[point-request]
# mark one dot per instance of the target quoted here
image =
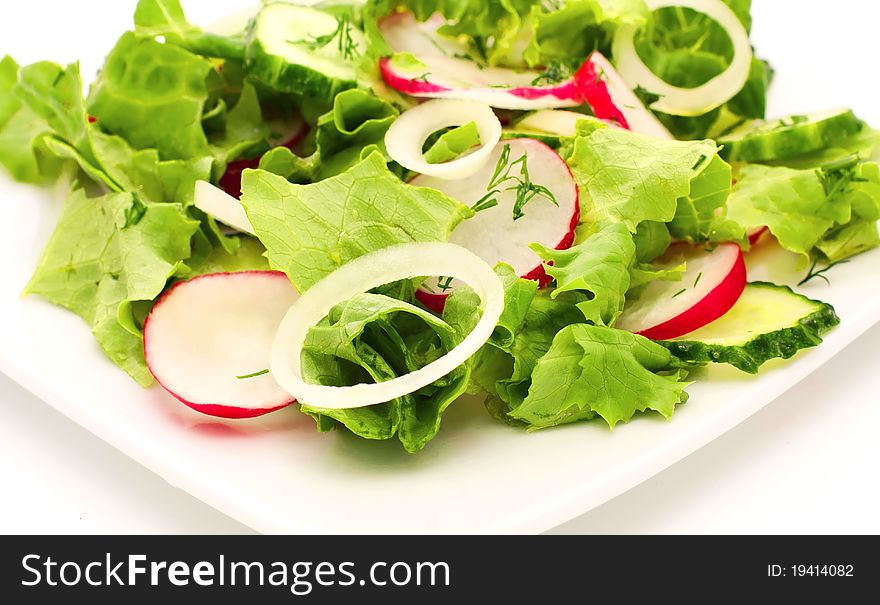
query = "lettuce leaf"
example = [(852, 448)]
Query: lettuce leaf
[(154, 96), (166, 18), (248, 254), (244, 132), (452, 144), (310, 230), (504, 367), (801, 206), (22, 130), (377, 338), (631, 178), (594, 371), (107, 254), (599, 267), (701, 216), (687, 49), (357, 121)]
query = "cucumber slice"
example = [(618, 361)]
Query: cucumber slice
[(767, 322), (303, 50), (764, 141)]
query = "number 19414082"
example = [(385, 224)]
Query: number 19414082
[(811, 570)]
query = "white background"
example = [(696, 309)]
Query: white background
[(806, 463)]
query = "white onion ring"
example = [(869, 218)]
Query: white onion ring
[(407, 136), (688, 101), (372, 270), (218, 204)]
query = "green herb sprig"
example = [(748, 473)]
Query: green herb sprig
[(342, 34), (821, 273), (526, 190)]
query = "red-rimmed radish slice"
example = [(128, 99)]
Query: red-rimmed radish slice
[(712, 283), (612, 99), (405, 34), (395, 263), (406, 138), (687, 101), (218, 204), (493, 234), (442, 77), (204, 335), (756, 233)]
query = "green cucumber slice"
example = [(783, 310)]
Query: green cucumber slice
[(304, 50), (765, 141), (768, 322)]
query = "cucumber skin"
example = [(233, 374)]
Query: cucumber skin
[(790, 142), (552, 141), (749, 357), (277, 73)]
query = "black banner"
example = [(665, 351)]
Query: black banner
[(435, 569)]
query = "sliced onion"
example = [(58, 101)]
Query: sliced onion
[(218, 204), (688, 101), (372, 270), (406, 137)]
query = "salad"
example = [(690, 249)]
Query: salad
[(371, 209)]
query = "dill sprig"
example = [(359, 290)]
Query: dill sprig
[(254, 375), (821, 273), (554, 73), (345, 44), (526, 190)]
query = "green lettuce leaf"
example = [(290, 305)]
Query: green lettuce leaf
[(801, 206), (599, 267), (630, 178), (107, 254), (244, 133), (652, 238), (594, 371), (311, 230), (358, 120), (452, 144), (248, 254), (853, 238), (503, 368), (166, 18), (566, 33), (122, 168), (283, 162), (21, 132), (377, 338), (701, 216), (154, 96), (55, 94), (687, 49)]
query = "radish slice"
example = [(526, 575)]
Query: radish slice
[(611, 99), (711, 285), (687, 101), (407, 135), (215, 202), (493, 234), (205, 333), (404, 261), (755, 234), (441, 77), (406, 34)]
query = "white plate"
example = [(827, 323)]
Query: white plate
[(278, 475)]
